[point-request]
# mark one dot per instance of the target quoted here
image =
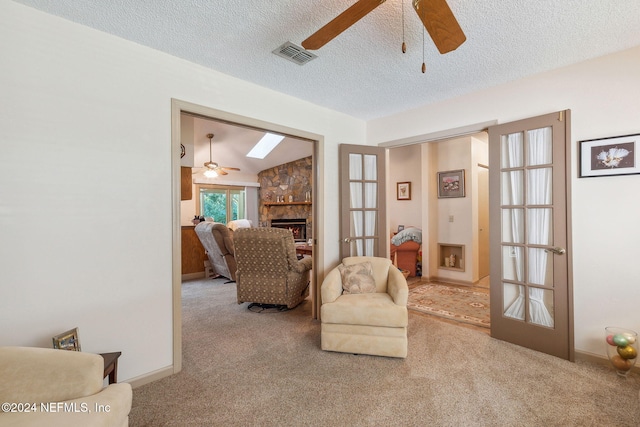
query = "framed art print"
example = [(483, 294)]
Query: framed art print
[(609, 156), (451, 184), (403, 191)]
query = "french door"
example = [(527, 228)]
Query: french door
[(530, 284), (362, 201)]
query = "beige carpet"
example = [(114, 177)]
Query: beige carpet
[(267, 369), (468, 305)]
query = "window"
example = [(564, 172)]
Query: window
[(222, 203)]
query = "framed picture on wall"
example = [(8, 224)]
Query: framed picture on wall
[(451, 184), (609, 156), (403, 191)]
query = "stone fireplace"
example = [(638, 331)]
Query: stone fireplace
[(298, 227), (285, 198)]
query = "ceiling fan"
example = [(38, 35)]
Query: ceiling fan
[(435, 15), (211, 168)]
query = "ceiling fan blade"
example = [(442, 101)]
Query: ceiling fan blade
[(230, 169), (340, 23), (221, 172), (440, 23)]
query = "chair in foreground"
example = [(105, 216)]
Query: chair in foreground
[(66, 388), (217, 240), (268, 270), (364, 308)]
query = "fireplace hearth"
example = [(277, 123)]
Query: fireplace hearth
[(298, 227)]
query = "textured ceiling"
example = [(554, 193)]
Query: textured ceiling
[(363, 72)]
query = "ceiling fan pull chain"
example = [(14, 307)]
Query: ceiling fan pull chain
[(424, 66), (404, 45)]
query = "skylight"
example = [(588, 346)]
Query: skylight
[(268, 142)]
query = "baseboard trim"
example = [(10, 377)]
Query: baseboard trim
[(151, 377), (192, 276), (599, 360), (451, 281)]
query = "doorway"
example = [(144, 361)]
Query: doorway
[(450, 222), (450, 226), (178, 108)]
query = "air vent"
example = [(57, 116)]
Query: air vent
[(294, 53)]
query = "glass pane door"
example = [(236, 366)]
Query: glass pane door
[(364, 204), (530, 282), (362, 200), (526, 174)]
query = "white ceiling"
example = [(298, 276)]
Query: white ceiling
[(363, 72), (231, 143)]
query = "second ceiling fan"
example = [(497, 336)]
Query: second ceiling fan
[(212, 169), (434, 14)]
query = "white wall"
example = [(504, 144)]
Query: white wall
[(405, 166), (603, 97), (453, 155), (85, 182)]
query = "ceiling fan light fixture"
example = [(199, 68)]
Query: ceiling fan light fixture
[(211, 173)]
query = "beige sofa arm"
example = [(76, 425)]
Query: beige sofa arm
[(109, 408), (61, 387), (331, 286), (31, 374), (397, 286)]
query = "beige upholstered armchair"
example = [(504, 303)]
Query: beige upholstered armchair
[(364, 308), (66, 388), (217, 240), (268, 270)]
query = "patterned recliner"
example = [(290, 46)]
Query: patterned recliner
[(268, 270), (218, 242)]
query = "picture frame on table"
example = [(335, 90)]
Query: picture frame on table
[(451, 184), (68, 340), (611, 156), (403, 191)]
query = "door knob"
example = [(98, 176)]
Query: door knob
[(346, 240), (557, 251)]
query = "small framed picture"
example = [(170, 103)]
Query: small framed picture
[(400, 228), (404, 191), (451, 184), (67, 340), (609, 156)]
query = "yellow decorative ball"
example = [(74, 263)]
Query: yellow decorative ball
[(627, 352)]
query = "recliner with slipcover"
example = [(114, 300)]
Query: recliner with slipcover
[(217, 240), (268, 270), (370, 320)]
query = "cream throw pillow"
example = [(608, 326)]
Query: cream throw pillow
[(357, 278)]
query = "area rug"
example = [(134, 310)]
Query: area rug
[(452, 303)]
